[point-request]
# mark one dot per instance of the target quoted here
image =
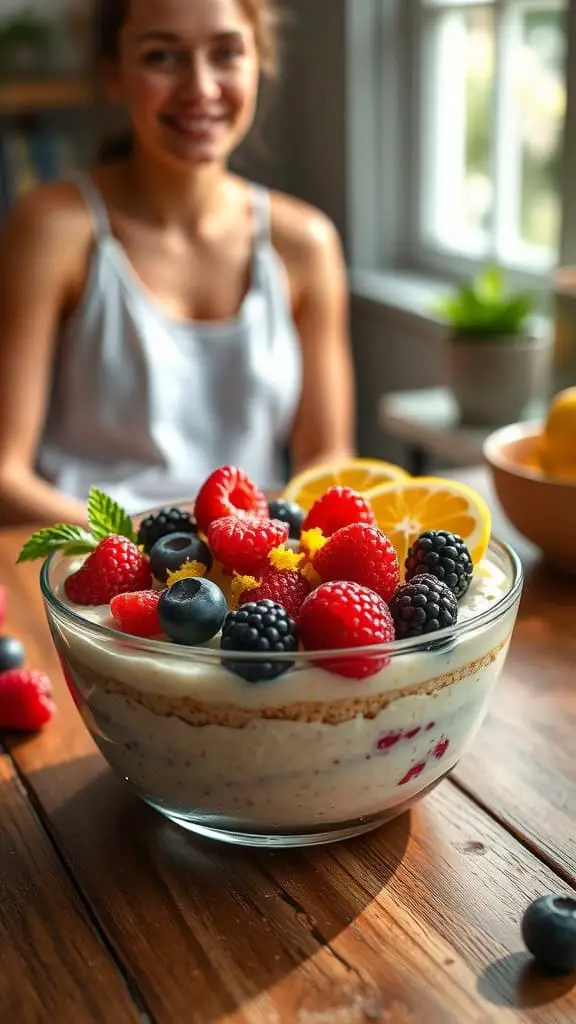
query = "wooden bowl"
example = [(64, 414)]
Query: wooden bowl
[(541, 507)]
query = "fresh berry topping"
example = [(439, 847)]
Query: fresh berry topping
[(424, 605), (25, 700), (137, 613), (444, 555), (115, 567), (243, 545), (338, 507), (362, 554), (192, 611), (169, 520), (288, 588), (549, 932), (260, 626), (228, 492), (11, 653), (343, 615), (288, 512), (171, 552)]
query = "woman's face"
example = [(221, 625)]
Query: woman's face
[(188, 71)]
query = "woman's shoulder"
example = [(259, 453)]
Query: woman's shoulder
[(51, 213), (299, 228)]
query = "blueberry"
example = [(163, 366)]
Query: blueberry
[(170, 552), (549, 931), (288, 512), (192, 611), (11, 653)]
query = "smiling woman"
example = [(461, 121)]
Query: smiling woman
[(162, 316)]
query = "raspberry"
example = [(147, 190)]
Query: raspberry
[(25, 699), (260, 626), (243, 545), (228, 492), (342, 614), (338, 507), (137, 612), (288, 588), (444, 555), (424, 605), (362, 554), (168, 520), (115, 567)]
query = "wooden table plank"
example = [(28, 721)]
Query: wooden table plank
[(53, 966), (417, 922), (422, 916), (523, 765)]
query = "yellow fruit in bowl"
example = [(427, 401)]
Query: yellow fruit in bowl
[(558, 443)]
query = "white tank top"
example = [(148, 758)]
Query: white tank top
[(145, 406)]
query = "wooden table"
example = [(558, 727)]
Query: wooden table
[(109, 914)]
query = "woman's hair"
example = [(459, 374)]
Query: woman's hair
[(110, 18)]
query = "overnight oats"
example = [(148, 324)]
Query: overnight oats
[(284, 673)]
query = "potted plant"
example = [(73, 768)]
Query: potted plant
[(497, 363), (24, 40)]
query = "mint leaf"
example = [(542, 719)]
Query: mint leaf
[(55, 538), (106, 516)]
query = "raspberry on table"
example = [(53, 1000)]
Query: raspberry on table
[(263, 627), (424, 605), (243, 545), (361, 554), (26, 702), (228, 491), (342, 614), (338, 507), (115, 567), (444, 555), (160, 524), (137, 612)]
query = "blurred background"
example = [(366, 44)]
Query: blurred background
[(440, 136)]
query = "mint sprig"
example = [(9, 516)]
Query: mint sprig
[(105, 517), (61, 537)]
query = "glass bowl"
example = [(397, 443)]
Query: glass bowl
[(308, 757)]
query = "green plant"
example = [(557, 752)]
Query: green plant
[(486, 308), (21, 29)]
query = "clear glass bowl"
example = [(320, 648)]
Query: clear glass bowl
[(306, 758)]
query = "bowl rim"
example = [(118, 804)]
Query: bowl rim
[(524, 430), (394, 647)]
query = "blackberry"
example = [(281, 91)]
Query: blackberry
[(443, 555), (424, 605), (288, 512), (259, 626), (169, 520)]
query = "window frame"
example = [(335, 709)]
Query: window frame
[(384, 112)]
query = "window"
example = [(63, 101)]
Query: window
[(456, 118), (491, 123)]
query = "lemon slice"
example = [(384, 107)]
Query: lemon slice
[(404, 509), (359, 474)]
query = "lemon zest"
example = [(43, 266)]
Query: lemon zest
[(283, 559), (309, 573), (240, 584), (312, 541), (187, 571)]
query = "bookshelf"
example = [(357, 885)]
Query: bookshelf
[(33, 96)]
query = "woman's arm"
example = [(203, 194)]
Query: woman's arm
[(324, 426), (38, 261)]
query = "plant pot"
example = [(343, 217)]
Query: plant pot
[(497, 380)]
